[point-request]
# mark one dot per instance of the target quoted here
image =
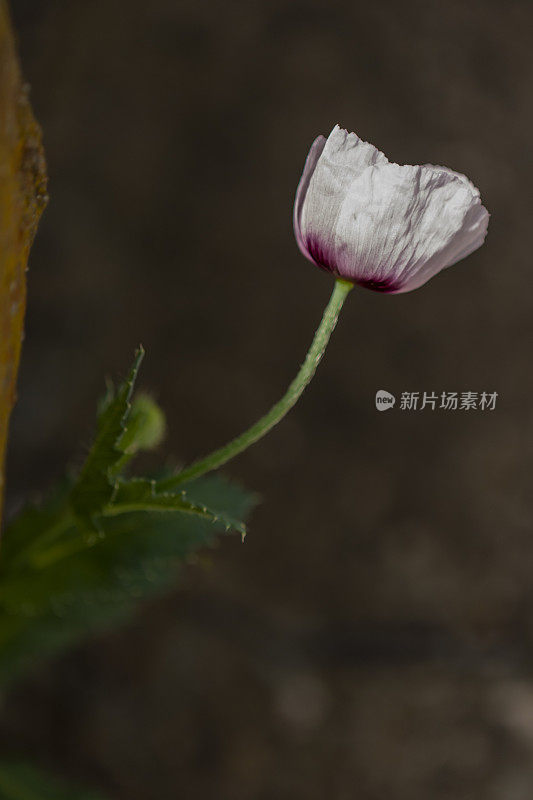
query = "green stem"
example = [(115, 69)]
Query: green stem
[(46, 539), (278, 411)]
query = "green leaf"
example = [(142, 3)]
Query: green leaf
[(101, 543), (91, 581), (95, 485), (139, 494), (19, 781), (227, 497)]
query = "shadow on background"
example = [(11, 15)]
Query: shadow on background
[(373, 638)]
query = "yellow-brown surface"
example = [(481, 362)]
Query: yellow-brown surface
[(22, 199)]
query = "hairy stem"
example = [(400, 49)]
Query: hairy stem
[(278, 411)]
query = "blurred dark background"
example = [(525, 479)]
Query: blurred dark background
[(373, 638)]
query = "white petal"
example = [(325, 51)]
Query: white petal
[(400, 225), (343, 159), (309, 167)]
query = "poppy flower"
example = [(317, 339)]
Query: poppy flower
[(380, 225)]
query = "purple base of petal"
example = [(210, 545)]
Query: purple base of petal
[(320, 254), (387, 286), (323, 259)]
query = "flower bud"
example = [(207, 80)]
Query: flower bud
[(146, 425)]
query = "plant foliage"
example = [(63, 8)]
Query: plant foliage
[(103, 540)]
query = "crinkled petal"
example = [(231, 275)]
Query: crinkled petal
[(343, 159), (400, 225)]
